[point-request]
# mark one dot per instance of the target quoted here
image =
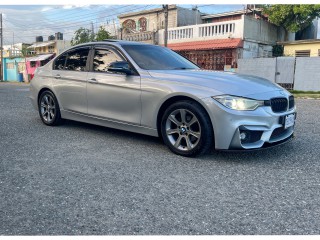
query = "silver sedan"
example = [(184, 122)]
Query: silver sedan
[(152, 90)]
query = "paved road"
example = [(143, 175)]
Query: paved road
[(83, 179)]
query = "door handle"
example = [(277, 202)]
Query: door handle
[(92, 80), (57, 76)]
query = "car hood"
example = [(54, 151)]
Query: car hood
[(222, 82)]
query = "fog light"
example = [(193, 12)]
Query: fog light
[(248, 136), (243, 135)]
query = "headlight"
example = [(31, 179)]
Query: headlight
[(238, 103)]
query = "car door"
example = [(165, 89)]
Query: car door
[(112, 95), (70, 73)]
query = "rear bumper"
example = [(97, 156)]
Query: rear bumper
[(262, 127)]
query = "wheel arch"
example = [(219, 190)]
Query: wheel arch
[(46, 88), (175, 99)]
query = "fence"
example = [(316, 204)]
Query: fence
[(300, 73)]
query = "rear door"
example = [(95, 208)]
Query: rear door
[(70, 79), (114, 96)]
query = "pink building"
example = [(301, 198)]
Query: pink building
[(33, 62)]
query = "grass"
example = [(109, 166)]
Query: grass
[(305, 94)]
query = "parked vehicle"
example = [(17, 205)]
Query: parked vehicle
[(152, 90)]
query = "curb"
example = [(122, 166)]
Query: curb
[(307, 98)]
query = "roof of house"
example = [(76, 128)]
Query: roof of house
[(41, 44), (307, 41), (231, 13), (125, 15), (207, 45), (39, 58)]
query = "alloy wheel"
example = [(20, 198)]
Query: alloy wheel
[(47, 108), (183, 129)]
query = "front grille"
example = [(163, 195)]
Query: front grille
[(291, 102), (279, 104)]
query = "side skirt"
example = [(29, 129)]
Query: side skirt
[(108, 123)]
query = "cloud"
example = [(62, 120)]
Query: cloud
[(75, 6), (45, 9)]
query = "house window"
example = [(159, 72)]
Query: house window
[(51, 49), (302, 53), (143, 24), (10, 65), (129, 25), (33, 64)]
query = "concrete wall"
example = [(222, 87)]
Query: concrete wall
[(307, 74), (254, 50), (61, 45), (262, 31), (188, 17), (260, 67), (302, 72)]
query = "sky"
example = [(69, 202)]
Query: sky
[(22, 23)]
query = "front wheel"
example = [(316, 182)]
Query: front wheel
[(186, 129), (49, 110)]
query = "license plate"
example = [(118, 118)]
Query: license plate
[(289, 120)]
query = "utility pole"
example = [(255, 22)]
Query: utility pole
[(195, 9), (1, 32), (92, 31), (165, 10)]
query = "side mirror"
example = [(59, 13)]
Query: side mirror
[(120, 67)]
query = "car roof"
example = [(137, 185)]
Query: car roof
[(112, 42)]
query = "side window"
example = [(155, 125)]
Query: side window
[(59, 62), (103, 59), (77, 60)]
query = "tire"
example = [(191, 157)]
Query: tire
[(186, 129), (49, 109)]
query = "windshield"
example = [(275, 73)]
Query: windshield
[(151, 57)]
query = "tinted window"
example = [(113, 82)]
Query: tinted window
[(103, 59), (59, 62), (157, 58), (77, 60)]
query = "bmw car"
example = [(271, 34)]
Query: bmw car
[(152, 90)]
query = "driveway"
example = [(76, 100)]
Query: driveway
[(79, 179)]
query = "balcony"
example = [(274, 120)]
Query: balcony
[(140, 36), (209, 31)]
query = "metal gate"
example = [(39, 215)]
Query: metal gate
[(285, 71), (212, 59)]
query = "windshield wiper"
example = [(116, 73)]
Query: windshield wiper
[(181, 68)]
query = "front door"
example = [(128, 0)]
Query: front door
[(110, 95)]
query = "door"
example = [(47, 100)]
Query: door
[(112, 95), (70, 80), (285, 71)]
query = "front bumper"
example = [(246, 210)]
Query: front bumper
[(262, 127)]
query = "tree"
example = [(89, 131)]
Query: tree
[(82, 35), (292, 17), (102, 34)]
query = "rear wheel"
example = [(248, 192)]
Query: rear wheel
[(49, 110), (186, 129)]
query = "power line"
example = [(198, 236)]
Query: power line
[(71, 24), (80, 23)]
